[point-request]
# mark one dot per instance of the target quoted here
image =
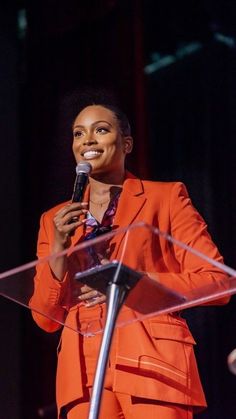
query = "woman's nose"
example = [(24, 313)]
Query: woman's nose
[(90, 139)]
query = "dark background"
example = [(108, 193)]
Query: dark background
[(174, 66)]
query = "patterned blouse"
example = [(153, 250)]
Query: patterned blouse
[(94, 229)]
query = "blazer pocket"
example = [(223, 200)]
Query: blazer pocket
[(174, 347)]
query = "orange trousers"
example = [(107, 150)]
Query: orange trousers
[(123, 406)]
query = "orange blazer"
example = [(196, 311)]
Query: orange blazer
[(153, 358)]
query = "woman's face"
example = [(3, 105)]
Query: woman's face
[(97, 139)]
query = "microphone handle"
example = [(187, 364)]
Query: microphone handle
[(79, 187), (78, 193)]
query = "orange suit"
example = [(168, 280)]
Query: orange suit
[(154, 358)]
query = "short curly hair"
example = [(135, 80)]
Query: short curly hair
[(75, 101)]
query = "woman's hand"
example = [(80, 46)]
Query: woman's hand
[(90, 296), (66, 220)]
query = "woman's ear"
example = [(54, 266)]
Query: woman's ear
[(128, 144)]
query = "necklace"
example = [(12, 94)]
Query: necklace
[(100, 203)]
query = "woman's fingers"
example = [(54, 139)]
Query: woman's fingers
[(97, 300), (64, 228), (88, 295), (91, 296), (67, 213), (67, 219), (71, 207)]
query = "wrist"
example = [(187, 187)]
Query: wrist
[(60, 246)]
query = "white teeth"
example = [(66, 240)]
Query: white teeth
[(91, 154)]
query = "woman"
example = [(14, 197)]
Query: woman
[(152, 370)]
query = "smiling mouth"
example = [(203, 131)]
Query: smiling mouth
[(90, 154)]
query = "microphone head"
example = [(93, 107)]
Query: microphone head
[(83, 167)]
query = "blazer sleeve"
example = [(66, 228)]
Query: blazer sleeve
[(188, 227), (49, 295)]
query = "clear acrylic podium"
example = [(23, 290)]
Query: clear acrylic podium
[(118, 265)]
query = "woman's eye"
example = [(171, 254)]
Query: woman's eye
[(102, 130), (78, 134)]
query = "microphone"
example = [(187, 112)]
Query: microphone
[(231, 360), (83, 170)]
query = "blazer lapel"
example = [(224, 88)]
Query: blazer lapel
[(132, 200), (130, 203)]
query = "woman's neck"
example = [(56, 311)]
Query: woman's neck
[(100, 189), (100, 196)]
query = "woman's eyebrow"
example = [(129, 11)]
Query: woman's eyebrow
[(94, 123)]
